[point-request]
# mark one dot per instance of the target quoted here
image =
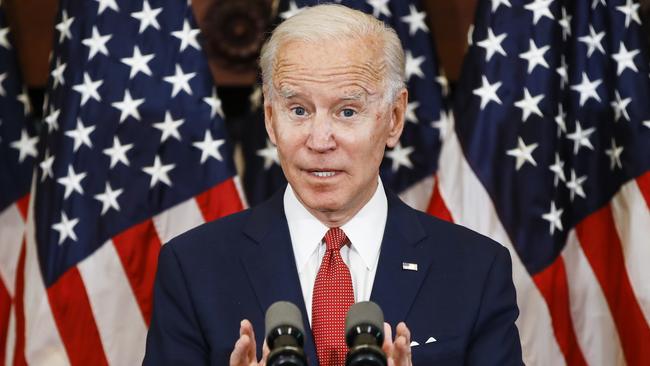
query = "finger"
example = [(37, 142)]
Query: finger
[(239, 355), (387, 347), (246, 328), (402, 352), (402, 349), (403, 330)]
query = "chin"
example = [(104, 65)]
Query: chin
[(321, 200)]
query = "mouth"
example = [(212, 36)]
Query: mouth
[(323, 173)]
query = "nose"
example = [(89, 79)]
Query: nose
[(321, 135)]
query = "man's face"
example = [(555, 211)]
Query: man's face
[(330, 121)]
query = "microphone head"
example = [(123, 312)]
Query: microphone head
[(364, 335), (284, 335), (283, 314), (365, 313)]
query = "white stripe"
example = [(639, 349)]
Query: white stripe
[(121, 326), (11, 337), (43, 345), (12, 228), (240, 191), (632, 221), (471, 206), (419, 195), (177, 220), (592, 320)]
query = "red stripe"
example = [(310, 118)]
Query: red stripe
[(138, 249), (220, 200), (75, 321), (437, 206), (19, 309), (23, 206), (138, 246), (553, 284), (644, 186), (602, 247), (5, 311)]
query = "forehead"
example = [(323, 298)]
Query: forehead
[(350, 64)]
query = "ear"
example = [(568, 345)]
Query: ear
[(268, 114), (397, 117)]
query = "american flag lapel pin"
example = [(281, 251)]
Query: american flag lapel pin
[(409, 266)]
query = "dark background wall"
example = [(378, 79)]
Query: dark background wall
[(32, 24)]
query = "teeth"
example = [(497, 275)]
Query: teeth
[(323, 174)]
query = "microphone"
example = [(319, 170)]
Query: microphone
[(285, 335), (364, 334)]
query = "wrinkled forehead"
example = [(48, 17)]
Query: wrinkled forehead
[(355, 66)]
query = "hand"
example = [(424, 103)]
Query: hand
[(398, 353), (245, 350)]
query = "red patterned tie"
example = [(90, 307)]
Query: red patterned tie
[(333, 296)]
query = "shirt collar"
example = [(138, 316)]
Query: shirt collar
[(365, 230)]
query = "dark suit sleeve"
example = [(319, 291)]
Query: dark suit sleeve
[(495, 338), (174, 336)]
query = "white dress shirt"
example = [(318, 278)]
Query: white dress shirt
[(365, 232)]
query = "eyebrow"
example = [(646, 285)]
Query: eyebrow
[(286, 92), (358, 95)]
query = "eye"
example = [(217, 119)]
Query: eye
[(348, 112), (299, 111)]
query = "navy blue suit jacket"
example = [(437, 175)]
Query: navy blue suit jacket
[(212, 277)]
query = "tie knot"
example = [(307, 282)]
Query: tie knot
[(335, 238)]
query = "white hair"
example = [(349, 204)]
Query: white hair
[(337, 22)]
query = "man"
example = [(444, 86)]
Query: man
[(334, 100)]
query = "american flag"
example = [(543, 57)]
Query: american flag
[(18, 152), (409, 167), (133, 151), (550, 156)]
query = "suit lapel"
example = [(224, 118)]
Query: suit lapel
[(271, 268), (270, 264), (395, 288)]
